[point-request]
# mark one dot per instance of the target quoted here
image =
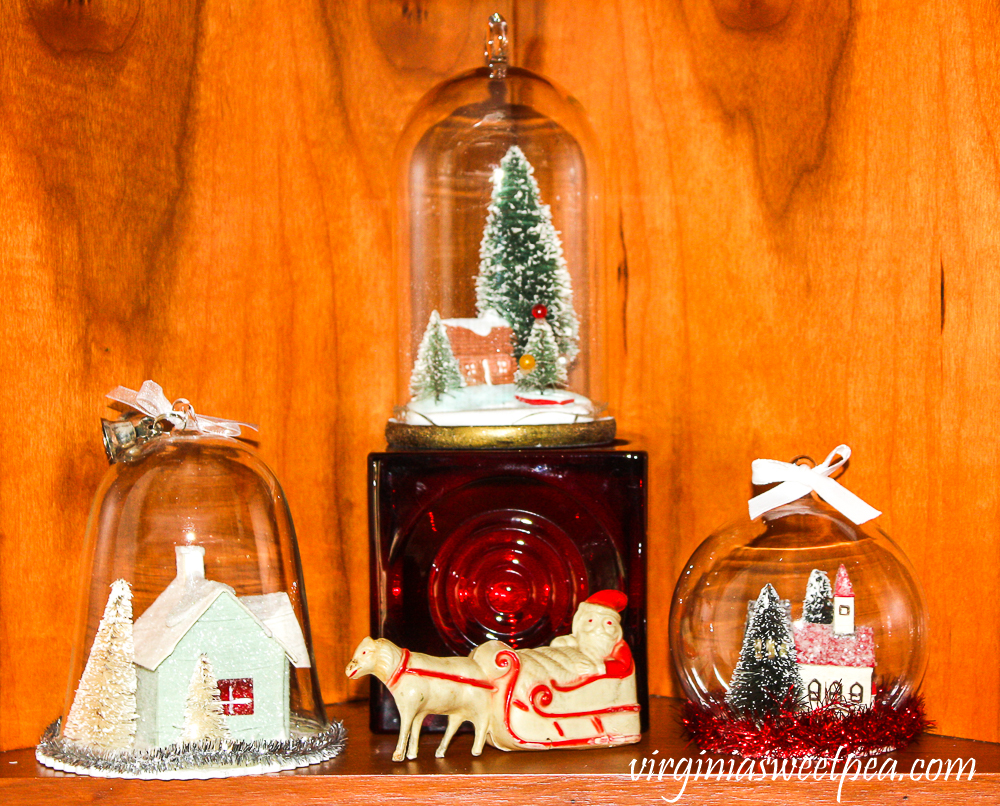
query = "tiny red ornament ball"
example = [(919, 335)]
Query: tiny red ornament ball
[(539, 312)]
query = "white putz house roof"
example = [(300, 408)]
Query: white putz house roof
[(186, 599)]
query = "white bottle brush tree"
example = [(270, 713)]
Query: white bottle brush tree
[(817, 607), (549, 372), (203, 715), (436, 371), (766, 680), (521, 261), (103, 713)]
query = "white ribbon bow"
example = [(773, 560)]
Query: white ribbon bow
[(799, 480), (151, 401)]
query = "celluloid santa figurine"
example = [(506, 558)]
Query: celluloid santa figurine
[(578, 692), (597, 633)]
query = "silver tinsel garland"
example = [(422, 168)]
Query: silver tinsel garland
[(202, 759)]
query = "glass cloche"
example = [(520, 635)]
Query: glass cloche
[(498, 246), (803, 621), (193, 656)]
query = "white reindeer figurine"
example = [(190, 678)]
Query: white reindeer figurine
[(422, 685)]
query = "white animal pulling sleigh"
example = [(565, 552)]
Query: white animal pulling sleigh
[(578, 692)]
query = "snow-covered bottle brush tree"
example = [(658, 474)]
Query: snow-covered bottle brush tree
[(521, 259), (103, 713)]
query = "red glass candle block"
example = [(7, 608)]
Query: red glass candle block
[(469, 546)]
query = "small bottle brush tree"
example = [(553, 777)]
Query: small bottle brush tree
[(203, 715), (548, 372), (103, 713), (521, 261), (436, 371), (766, 679), (817, 607)]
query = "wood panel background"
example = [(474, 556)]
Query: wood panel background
[(802, 251)]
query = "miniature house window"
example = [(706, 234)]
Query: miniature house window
[(835, 693), (815, 691), (237, 696), (857, 692), (844, 610)]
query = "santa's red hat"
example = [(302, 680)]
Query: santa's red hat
[(615, 600)]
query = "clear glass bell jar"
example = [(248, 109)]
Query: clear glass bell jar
[(498, 245), (192, 584)]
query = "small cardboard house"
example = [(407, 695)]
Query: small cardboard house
[(250, 641), (837, 660), (483, 348)]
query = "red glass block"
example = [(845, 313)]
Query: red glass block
[(468, 546)]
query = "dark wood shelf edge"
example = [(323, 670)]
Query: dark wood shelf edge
[(365, 773)]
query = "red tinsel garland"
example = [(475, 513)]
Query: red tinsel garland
[(820, 733)]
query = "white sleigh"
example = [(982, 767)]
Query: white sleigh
[(578, 692), (541, 701)]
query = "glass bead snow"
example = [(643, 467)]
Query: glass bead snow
[(498, 243), (193, 656), (799, 620)]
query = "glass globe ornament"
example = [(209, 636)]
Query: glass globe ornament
[(193, 655), (848, 625), (498, 242)]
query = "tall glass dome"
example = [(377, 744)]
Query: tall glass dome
[(193, 630), (498, 247)]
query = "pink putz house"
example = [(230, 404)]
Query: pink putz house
[(837, 660)]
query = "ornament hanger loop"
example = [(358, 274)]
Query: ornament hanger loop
[(496, 48), (798, 480), (151, 401)]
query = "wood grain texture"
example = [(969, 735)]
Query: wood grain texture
[(805, 252), (801, 252)]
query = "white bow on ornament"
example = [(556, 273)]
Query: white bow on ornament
[(799, 480), (151, 401)]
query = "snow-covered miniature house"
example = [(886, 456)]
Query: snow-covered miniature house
[(483, 348), (825, 658), (249, 640), (836, 659)]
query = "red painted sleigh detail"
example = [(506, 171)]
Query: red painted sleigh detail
[(543, 401), (541, 697), (542, 694), (618, 665), (394, 677), (404, 668)]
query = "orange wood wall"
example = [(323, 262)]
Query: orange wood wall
[(802, 218)]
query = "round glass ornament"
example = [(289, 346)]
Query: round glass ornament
[(784, 548), (498, 239), (199, 529)]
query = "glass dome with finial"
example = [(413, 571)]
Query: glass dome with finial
[(498, 246), (193, 656), (797, 631)]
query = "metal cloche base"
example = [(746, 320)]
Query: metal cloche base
[(595, 432)]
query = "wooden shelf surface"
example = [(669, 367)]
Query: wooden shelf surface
[(366, 774)]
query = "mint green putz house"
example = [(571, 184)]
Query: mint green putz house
[(251, 642)]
